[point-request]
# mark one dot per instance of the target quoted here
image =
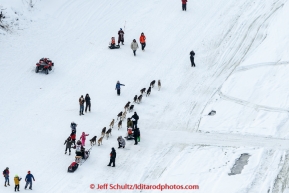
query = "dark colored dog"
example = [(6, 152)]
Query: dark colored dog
[(131, 108), (119, 115), (119, 124), (143, 90), (126, 106), (152, 83), (135, 99), (149, 91), (139, 98), (93, 141), (108, 133), (103, 131)]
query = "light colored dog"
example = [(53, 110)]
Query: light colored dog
[(111, 124), (100, 141), (159, 84), (123, 115)]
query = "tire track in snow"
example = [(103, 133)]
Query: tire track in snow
[(252, 105), (221, 139)]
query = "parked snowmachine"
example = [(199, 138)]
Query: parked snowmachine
[(112, 44), (129, 134), (44, 65), (73, 166)]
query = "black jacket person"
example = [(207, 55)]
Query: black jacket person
[(112, 157), (134, 119)]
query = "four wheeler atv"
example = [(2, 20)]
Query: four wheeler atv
[(44, 65)]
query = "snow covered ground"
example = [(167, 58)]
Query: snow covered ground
[(241, 72)]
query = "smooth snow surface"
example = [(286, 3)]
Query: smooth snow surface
[(242, 59)]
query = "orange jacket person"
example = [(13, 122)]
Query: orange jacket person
[(142, 40)]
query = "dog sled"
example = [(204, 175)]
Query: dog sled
[(80, 159), (129, 134), (73, 166)]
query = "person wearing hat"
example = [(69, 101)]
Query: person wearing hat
[(142, 40), (17, 182), (87, 102), (136, 135), (68, 143), (112, 157), (6, 176), (81, 104), (134, 119), (134, 46), (28, 180), (120, 36), (117, 87)]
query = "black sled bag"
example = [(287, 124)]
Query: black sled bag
[(73, 166)]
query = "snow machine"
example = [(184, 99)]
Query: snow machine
[(73, 166), (114, 47), (129, 134), (112, 44), (44, 65), (212, 113)]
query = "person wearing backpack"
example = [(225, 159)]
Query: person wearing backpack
[(17, 182), (28, 180), (68, 143), (6, 176), (192, 55)]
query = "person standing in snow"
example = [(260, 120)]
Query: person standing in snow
[(73, 137), (87, 102), (6, 176), (78, 148), (68, 143), (134, 119), (134, 46), (184, 5), (129, 123), (81, 103), (192, 53), (136, 135), (28, 180), (83, 138), (120, 36), (112, 157), (142, 40), (73, 127), (17, 182), (121, 142), (117, 87)]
